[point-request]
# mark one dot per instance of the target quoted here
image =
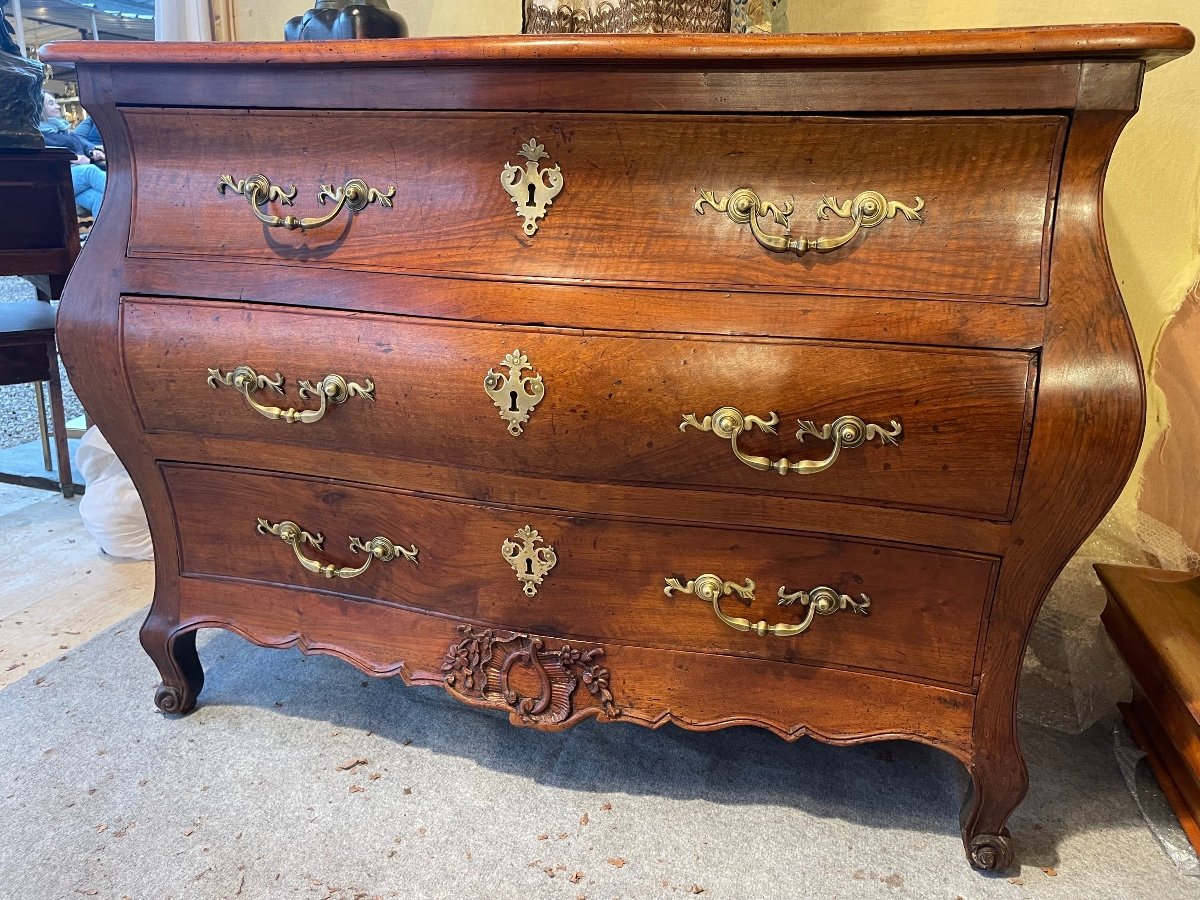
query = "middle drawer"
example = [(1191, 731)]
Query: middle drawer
[(924, 428), (888, 608)]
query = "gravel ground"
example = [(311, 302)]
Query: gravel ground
[(18, 405)]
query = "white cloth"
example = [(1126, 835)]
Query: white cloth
[(111, 509)]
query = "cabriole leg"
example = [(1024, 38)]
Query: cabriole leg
[(998, 784), (174, 653)]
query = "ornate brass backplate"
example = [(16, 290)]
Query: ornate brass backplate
[(530, 562), (820, 601), (532, 189), (294, 536), (729, 423), (489, 669), (867, 210), (514, 394), (331, 389), (355, 195)]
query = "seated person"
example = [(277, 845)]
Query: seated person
[(89, 132), (89, 179)]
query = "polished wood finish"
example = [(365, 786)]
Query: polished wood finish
[(653, 687), (38, 236), (990, 183), (924, 619), (39, 233), (613, 403), (1155, 43), (1040, 317), (1153, 618)]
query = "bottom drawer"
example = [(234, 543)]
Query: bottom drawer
[(899, 610)]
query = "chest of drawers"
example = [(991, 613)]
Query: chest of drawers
[(704, 380)]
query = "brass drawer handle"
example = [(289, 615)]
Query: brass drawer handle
[(866, 210), (331, 389), (821, 601), (354, 195), (845, 431), (379, 548)]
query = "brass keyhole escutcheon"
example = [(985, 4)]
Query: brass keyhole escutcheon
[(532, 189), (538, 560), (517, 393)]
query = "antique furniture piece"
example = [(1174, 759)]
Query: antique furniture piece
[(38, 236), (1153, 617), (699, 379)]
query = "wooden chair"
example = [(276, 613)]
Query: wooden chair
[(28, 352), (40, 237)]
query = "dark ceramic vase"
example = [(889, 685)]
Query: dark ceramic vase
[(343, 20)]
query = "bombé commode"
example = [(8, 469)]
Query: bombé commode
[(793, 362)]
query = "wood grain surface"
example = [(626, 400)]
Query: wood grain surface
[(652, 687), (613, 404), (1004, 304), (625, 213), (1155, 42), (608, 583)]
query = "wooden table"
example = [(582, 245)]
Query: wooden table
[(1153, 617)]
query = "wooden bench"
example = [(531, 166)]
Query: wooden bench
[(1153, 618)]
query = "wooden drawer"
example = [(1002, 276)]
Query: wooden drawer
[(608, 580), (612, 405), (627, 208)]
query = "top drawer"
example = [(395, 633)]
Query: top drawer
[(627, 210)]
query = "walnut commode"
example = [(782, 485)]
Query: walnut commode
[(749, 380)]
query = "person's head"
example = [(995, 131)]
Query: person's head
[(50, 107)]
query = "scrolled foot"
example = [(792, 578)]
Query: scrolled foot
[(174, 653), (171, 700), (991, 852)]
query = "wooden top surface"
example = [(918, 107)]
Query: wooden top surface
[(1165, 607), (1156, 43)]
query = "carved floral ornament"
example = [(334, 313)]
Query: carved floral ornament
[(518, 672)]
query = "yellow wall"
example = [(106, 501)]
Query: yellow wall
[(1152, 196), (262, 20)]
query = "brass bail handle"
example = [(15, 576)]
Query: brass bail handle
[(294, 536), (868, 209), (729, 423), (820, 601), (332, 389), (354, 195)]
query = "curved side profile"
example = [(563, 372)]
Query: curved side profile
[(966, 372)]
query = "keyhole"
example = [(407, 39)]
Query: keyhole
[(531, 201), (529, 567), (513, 404)]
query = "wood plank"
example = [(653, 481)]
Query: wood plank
[(1157, 42), (68, 594)]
